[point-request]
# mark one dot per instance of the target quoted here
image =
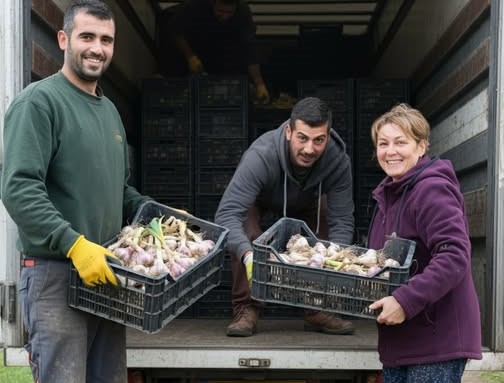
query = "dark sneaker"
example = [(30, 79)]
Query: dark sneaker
[(244, 322), (328, 323)]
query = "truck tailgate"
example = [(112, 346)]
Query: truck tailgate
[(278, 344)]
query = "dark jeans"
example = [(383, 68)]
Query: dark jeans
[(252, 227), (67, 345), (442, 372)]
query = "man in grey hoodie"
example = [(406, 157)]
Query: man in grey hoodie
[(299, 170)]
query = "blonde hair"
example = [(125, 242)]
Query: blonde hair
[(410, 120)]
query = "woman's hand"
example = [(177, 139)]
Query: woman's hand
[(392, 312)]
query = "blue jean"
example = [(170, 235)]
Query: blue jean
[(443, 372), (66, 345)]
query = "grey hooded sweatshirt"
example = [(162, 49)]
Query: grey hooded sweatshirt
[(264, 178)]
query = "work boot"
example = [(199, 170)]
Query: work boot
[(325, 322), (244, 321)]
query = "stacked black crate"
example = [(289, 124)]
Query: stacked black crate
[(220, 140), (263, 118), (339, 96), (166, 142), (221, 137), (374, 97)]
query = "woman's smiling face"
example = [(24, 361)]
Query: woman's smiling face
[(397, 152)]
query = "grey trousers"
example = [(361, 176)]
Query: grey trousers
[(66, 345)]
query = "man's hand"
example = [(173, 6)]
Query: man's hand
[(262, 94), (248, 259), (195, 64), (90, 260)]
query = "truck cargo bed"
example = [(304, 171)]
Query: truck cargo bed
[(272, 334), (202, 344)]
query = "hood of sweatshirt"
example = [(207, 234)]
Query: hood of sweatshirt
[(334, 153), (398, 190)]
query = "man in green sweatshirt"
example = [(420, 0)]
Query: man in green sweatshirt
[(65, 185)]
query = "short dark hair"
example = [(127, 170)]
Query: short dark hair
[(94, 8), (312, 111)]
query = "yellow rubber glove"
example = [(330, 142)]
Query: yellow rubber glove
[(262, 94), (90, 260), (248, 261), (195, 64)]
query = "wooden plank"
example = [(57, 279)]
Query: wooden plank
[(467, 73), (470, 154), (475, 203), (42, 64), (469, 120), (48, 12), (458, 30)]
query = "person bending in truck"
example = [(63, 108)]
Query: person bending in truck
[(65, 185), (217, 37), (299, 170), (430, 326)]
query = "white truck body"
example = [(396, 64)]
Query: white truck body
[(186, 346)]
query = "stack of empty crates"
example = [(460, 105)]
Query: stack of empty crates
[(339, 96), (374, 97), (263, 119), (221, 137), (167, 170)]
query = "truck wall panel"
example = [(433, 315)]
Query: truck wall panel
[(474, 179), (470, 154), (481, 275), (475, 203), (43, 64), (468, 121), (470, 70), (48, 11), (423, 26), (454, 59), (469, 16)]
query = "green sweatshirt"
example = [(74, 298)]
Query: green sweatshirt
[(65, 168)]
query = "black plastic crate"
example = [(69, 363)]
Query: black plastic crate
[(343, 124), (206, 206), (337, 93), (226, 123), (161, 299), (171, 151), (167, 123), (213, 180), (167, 181), (166, 92), (183, 202), (257, 129), (320, 289), (216, 304), (218, 91), (379, 95), (220, 152), (263, 119)]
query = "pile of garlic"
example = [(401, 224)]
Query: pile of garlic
[(335, 257)]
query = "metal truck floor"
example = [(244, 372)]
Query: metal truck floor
[(271, 334)]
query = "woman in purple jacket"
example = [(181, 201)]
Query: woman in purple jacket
[(430, 326)]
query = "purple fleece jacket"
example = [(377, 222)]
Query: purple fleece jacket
[(442, 310)]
